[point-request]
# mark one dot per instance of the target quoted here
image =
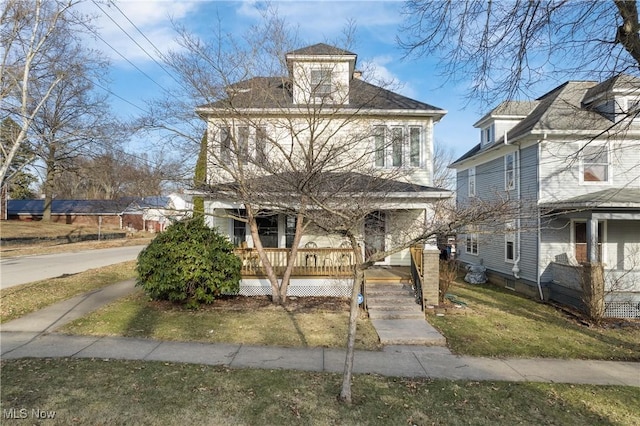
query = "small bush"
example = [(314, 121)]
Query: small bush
[(188, 263)]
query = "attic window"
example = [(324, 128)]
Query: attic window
[(488, 134), (321, 81)]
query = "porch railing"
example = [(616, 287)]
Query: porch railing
[(309, 261), (416, 274)]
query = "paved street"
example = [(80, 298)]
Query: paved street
[(25, 269)]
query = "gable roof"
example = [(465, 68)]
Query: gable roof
[(276, 92)]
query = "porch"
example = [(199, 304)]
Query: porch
[(309, 262)]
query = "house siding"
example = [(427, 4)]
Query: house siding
[(560, 176)]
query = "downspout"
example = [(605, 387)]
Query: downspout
[(539, 239)]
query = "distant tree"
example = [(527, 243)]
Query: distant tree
[(505, 47), (29, 69), (18, 180)]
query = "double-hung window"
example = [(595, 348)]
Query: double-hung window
[(321, 82), (380, 145), (471, 181), (398, 146), (414, 146), (471, 246), (261, 145), (595, 163), (225, 143), (509, 171), (510, 241), (243, 142), (397, 142)]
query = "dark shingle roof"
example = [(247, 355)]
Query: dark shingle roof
[(275, 92), (330, 182), (320, 49), (36, 207), (607, 198), (561, 109), (617, 82), (513, 108)]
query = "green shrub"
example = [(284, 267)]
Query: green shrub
[(188, 263)]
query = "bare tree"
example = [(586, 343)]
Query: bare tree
[(27, 35), (282, 141), (506, 47)]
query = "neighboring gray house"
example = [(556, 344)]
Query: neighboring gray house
[(572, 159)]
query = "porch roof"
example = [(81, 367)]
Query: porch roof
[(339, 183)]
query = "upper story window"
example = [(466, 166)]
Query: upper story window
[(595, 163), (488, 134), (243, 143), (261, 144), (321, 82), (397, 140), (471, 181), (414, 146), (379, 141), (398, 146), (225, 143), (509, 171)]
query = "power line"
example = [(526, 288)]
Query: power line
[(134, 41)]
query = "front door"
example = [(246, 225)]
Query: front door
[(374, 233)]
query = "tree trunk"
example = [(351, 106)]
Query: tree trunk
[(48, 186), (345, 392)]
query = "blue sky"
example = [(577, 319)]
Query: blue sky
[(137, 78)]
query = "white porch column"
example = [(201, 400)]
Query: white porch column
[(592, 240)]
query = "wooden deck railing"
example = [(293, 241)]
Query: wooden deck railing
[(309, 261)]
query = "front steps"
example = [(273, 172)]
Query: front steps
[(397, 318), (392, 301)]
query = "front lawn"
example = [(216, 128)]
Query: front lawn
[(83, 391), (26, 298), (304, 322), (500, 323)]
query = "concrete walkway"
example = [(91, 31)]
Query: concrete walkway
[(31, 336)]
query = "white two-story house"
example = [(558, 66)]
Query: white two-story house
[(571, 158), (356, 129)]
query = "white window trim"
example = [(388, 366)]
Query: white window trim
[(405, 146), (473, 236), (609, 180), (471, 181), (514, 181), (510, 237)]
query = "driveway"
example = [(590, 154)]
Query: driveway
[(25, 269)]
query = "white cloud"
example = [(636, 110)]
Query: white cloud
[(153, 18), (320, 20), (376, 71)]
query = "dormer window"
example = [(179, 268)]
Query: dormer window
[(321, 82), (488, 134)]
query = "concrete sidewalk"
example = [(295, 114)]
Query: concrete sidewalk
[(31, 336)]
